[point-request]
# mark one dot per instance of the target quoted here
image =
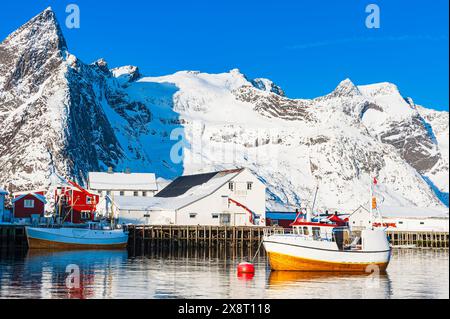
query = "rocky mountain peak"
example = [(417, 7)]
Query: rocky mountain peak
[(345, 89), (267, 86), (29, 56), (102, 65), (380, 89), (125, 74), (42, 31)]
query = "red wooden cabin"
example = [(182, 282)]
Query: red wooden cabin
[(75, 205), (29, 203)]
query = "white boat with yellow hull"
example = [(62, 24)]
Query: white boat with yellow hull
[(329, 244), (300, 251), (75, 238)]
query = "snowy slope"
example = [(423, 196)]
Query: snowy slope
[(60, 114)]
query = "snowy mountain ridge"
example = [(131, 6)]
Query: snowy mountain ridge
[(58, 114)]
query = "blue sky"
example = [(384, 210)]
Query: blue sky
[(307, 47)]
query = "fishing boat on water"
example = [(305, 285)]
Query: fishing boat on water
[(328, 244), (92, 236), (76, 225)]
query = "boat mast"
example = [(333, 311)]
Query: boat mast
[(308, 215)]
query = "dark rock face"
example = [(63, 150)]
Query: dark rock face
[(413, 142), (268, 86), (275, 105)]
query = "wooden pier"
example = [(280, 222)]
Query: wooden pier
[(12, 236), (419, 239), (196, 235)]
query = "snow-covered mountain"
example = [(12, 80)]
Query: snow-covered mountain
[(58, 114)]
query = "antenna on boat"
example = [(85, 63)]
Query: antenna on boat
[(309, 216)]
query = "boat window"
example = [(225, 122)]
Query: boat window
[(88, 200), (316, 232), (249, 186), (144, 194), (215, 215), (192, 215), (122, 193), (305, 230), (136, 193), (231, 186)]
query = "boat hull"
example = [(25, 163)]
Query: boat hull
[(72, 238), (291, 263), (289, 254)]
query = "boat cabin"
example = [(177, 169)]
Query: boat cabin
[(332, 229)]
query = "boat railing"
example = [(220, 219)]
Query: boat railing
[(278, 231)]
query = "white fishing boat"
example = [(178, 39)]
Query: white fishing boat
[(91, 237), (328, 244), (75, 224)]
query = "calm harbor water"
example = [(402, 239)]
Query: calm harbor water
[(203, 273)]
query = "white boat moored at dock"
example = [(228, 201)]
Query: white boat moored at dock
[(75, 238)]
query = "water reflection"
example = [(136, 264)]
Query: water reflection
[(187, 272), (43, 273), (331, 284)]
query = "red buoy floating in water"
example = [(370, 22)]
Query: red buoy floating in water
[(246, 268)]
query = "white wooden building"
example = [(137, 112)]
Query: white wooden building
[(232, 197), (404, 219)]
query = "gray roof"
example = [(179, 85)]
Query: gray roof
[(183, 184)]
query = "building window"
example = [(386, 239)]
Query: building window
[(108, 192), (225, 219), (422, 223), (135, 193), (249, 186), (122, 193), (401, 223), (215, 216), (144, 194), (28, 203), (231, 186), (192, 215)]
